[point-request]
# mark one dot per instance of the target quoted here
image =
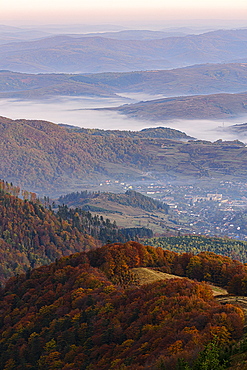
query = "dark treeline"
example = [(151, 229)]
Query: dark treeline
[(32, 235), (156, 132), (100, 228), (235, 249)]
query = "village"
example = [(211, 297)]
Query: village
[(216, 209)]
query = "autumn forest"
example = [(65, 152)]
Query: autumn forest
[(123, 185), (70, 298)]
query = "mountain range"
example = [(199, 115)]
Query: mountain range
[(197, 79), (14, 34), (85, 54), (194, 80)]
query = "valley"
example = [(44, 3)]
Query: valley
[(74, 99), (198, 207), (123, 199), (203, 182)]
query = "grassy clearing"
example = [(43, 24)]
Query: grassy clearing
[(146, 276)]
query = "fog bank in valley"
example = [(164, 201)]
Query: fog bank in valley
[(79, 112)]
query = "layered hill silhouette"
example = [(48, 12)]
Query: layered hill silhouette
[(49, 159), (198, 79), (217, 106), (15, 34), (143, 34), (43, 86), (99, 54)]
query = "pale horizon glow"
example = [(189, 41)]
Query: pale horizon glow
[(58, 11)]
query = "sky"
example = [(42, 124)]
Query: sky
[(118, 11)]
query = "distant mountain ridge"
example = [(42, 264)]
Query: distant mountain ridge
[(193, 80), (14, 34), (215, 106), (140, 34), (99, 54)]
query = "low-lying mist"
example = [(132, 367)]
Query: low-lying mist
[(79, 112)]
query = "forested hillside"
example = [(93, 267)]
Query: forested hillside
[(87, 310), (84, 312), (32, 234), (136, 214), (117, 260), (146, 133), (100, 228), (235, 249), (41, 154), (49, 159)]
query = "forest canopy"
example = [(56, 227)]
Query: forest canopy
[(76, 314)]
